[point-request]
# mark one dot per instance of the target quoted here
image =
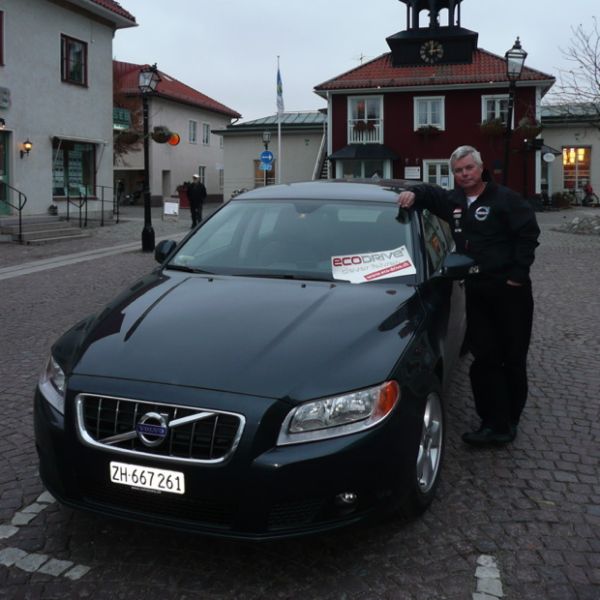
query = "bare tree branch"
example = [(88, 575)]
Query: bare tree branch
[(578, 87)]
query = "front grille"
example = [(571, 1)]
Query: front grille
[(189, 434)]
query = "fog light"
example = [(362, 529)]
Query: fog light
[(346, 499)]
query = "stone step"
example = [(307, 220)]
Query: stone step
[(48, 240), (36, 226)]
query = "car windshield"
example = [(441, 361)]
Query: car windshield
[(308, 239)]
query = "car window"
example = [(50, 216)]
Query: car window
[(291, 237), (436, 242)]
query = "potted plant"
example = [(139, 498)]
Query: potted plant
[(161, 134), (53, 209), (529, 128), (427, 130), (128, 136), (493, 127)]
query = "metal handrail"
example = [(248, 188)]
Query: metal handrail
[(19, 207), (80, 204)]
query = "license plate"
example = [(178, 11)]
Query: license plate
[(147, 478)]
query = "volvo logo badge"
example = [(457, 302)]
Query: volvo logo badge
[(152, 429)]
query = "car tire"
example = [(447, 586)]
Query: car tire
[(428, 456)]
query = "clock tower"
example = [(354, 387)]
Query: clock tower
[(435, 43)]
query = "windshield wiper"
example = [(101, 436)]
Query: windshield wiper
[(187, 269), (292, 276)]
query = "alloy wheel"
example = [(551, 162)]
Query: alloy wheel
[(430, 446)]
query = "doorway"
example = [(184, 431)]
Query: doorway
[(4, 194)]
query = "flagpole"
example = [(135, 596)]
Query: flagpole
[(279, 112)]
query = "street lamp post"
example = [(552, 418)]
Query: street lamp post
[(148, 80), (515, 59)]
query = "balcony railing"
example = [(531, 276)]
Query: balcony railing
[(369, 131)]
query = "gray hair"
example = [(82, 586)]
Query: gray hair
[(463, 151)]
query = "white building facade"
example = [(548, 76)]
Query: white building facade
[(303, 149), (574, 132), (184, 111), (56, 95)]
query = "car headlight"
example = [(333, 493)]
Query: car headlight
[(52, 384), (339, 415)]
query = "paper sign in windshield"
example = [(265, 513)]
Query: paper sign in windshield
[(360, 268)]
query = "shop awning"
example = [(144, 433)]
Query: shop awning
[(364, 152)]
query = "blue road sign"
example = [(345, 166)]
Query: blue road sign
[(265, 166), (266, 157)]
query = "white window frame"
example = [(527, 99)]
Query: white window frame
[(367, 137), (202, 174), (439, 177), (497, 98), (206, 134), (193, 132), (417, 100)]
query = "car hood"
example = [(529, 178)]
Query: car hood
[(263, 337)]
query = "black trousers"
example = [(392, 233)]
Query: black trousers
[(499, 321), (196, 211)]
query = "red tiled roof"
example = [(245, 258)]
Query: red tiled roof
[(126, 81), (379, 73), (114, 7)]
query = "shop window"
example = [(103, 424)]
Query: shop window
[(438, 173), (361, 169), (73, 60), (576, 167), (73, 168)]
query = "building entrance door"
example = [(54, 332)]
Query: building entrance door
[(4, 207)]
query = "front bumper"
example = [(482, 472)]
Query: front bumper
[(263, 492)]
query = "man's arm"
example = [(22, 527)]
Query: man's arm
[(525, 230), (431, 197)]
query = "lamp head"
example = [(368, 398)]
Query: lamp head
[(26, 148), (515, 59)]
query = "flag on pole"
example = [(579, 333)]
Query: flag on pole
[(280, 108)]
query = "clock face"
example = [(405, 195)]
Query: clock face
[(431, 51)]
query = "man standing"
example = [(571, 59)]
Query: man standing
[(196, 194), (498, 229)]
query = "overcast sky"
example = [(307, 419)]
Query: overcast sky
[(228, 49)]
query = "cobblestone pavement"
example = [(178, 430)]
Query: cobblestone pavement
[(520, 522)]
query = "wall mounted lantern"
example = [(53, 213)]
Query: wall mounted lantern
[(26, 148)]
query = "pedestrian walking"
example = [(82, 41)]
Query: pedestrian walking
[(497, 228), (196, 194)]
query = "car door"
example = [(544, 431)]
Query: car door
[(445, 298)]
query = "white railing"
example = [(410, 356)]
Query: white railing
[(365, 132)]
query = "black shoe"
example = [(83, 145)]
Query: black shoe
[(486, 436)]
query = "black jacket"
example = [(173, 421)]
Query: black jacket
[(499, 230), (196, 192)]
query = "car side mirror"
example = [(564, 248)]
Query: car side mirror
[(163, 249), (458, 266)]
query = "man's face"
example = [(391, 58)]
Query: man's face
[(467, 174)]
